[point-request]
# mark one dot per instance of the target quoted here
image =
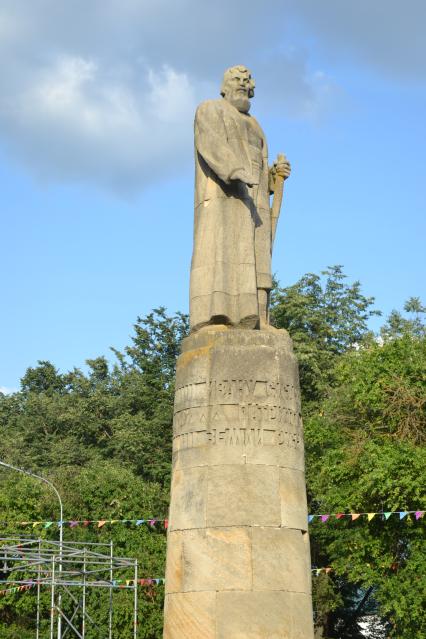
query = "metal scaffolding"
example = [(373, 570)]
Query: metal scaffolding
[(71, 571)]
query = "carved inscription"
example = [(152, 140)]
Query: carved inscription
[(237, 412), (238, 437), (232, 391)]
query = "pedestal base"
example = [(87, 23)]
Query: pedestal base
[(238, 563)]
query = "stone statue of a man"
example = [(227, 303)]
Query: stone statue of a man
[(231, 263)]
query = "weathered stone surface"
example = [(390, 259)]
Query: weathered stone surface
[(243, 495), (279, 560), (234, 227), (237, 558), (190, 615), (302, 621), (238, 502), (188, 498), (209, 559), (254, 615), (294, 512)]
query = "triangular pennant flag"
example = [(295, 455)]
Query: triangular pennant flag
[(60, 524), (157, 581), (140, 521), (86, 522), (48, 524), (310, 518), (152, 522), (340, 515), (354, 516), (419, 514), (370, 516), (166, 523), (37, 523), (101, 523), (387, 515), (324, 518), (73, 524), (403, 514), (114, 521), (328, 569)]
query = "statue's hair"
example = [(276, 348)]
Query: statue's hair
[(239, 68)]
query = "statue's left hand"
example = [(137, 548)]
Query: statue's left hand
[(281, 167)]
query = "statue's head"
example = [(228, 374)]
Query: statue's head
[(238, 87)]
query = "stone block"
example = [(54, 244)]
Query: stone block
[(209, 559), (294, 512), (208, 455), (190, 615), (302, 616), (188, 499), (279, 560), (254, 615), (245, 495)]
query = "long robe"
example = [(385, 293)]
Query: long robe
[(232, 223)]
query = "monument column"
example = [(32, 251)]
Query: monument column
[(238, 561)]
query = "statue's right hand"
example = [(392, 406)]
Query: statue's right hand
[(245, 177)]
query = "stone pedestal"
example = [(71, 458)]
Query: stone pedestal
[(238, 563)]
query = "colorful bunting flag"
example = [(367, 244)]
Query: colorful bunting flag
[(152, 523)]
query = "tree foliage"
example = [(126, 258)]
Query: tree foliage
[(104, 439), (325, 317), (104, 436)]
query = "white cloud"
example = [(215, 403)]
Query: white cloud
[(72, 120), (104, 91)]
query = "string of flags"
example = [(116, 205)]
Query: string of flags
[(130, 583), (124, 583), (116, 583), (402, 514), (95, 523), (157, 523)]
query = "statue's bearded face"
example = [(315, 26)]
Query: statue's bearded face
[(237, 88)]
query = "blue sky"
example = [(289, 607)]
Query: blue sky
[(96, 109)]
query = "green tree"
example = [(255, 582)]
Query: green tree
[(325, 317), (365, 454), (104, 439)]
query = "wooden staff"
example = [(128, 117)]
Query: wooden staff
[(277, 201)]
